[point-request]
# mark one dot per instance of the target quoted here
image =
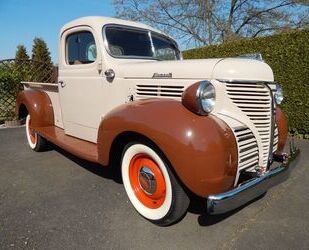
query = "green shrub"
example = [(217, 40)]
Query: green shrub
[(288, 56)]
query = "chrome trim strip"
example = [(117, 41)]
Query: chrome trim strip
[(243, 81), (224, 202)]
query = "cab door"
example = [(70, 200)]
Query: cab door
[(81, 85)]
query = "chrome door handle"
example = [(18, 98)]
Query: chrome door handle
[(62, 84), (110, 75)]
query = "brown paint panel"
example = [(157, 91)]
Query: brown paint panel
[(83, 149), (201, 149), (38, 105), (282, 129)]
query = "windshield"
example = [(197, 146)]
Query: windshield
[(136, 43)]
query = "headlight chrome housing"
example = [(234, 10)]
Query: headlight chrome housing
[(200, 98), (206, 96), (278, 95)]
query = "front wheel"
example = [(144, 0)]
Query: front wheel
[(151, 186), (35, 141)]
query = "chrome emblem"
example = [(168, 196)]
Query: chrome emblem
[(162, 75), (147, 180)]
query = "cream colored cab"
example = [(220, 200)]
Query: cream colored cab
[(82, 87), (97, 75), (91, 68)]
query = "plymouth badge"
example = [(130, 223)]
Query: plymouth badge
[(160, 75)]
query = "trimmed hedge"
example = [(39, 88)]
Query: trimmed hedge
[(288, 56)]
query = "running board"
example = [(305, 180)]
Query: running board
[(81, 148)]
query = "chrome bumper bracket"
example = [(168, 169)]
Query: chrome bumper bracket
[(224, 202)]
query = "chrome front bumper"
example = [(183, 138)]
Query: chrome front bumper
[(224, 202)]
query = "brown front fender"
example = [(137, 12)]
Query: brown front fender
[(201, 149), (38, 105), (282, 129)]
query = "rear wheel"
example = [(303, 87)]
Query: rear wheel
[(151, 186), (35, 141)]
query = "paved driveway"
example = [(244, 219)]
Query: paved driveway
[(53, 200)]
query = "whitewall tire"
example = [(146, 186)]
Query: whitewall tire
[(151, 186), (35, 141)]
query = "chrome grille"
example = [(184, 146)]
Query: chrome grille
[(255, 101), (248, 152), (162, 91)]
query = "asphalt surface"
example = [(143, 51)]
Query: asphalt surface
[(53, 200)]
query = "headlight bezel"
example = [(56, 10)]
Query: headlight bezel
[(192, 97), (199, 95)]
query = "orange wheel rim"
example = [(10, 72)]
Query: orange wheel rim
[(147, 181), (31, 132)]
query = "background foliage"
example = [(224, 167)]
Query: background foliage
[(9, 77), (204, 22), (288, 56), (40, 54), (13, 71)]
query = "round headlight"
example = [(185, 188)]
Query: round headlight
[(206, 95), (279, 95), (200, 98)]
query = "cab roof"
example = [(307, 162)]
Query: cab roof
[(97, 22)]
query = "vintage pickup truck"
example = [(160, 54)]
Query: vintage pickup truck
[(210, 127)]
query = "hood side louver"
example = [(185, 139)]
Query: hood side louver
[(161, 91)]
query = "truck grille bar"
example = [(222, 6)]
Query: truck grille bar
[(254, 99), (248, 152)]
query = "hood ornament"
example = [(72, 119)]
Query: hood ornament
[(255, 56)]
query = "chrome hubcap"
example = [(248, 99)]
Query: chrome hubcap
[(147, 180)]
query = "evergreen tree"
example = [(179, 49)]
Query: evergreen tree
[(41, 60), (40, 51), (22, 64), (21, 55)]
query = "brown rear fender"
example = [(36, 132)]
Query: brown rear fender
[(38, 105), (201, 149)]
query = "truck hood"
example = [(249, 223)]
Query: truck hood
[(219, 68)]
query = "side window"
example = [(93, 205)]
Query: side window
[(80, 48), (164, 49)]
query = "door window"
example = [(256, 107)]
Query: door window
[(80, 48)]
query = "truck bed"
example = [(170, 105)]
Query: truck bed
[(52, 90)]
